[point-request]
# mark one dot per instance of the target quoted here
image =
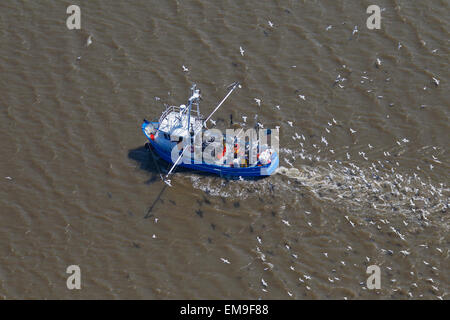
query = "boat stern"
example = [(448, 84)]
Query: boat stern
[(272, 167)]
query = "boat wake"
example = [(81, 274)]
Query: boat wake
[(380, 190)]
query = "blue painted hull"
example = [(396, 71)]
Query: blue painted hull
[(255, 171)]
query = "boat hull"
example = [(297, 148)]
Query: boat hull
[(254, 171)]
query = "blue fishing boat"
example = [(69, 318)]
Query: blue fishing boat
[(179, 128)]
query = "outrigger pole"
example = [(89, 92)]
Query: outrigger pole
[(176, 162), (234, 86)]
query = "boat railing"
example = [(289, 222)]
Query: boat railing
[(177, 109)]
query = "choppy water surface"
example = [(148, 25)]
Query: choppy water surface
[(364, 157)]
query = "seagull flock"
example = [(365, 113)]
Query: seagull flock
[(360, 178)]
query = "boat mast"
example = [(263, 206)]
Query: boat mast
[(193, 99), (195, 96)]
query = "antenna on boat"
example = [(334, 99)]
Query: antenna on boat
[(195, 96), (232, 86), (194, 99)]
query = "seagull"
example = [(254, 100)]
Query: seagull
[(258, 102), (185, 69), (399, 45), (287, 161), (260, 125), (270, 24), (329, 27), (225, 260), (352, 131), (89, 41), (240, 178), (278, 107), (436, 81), (355, 30), (263, 282), (242, 51), (168, 182), (405, 252), (245, 118), (370, 147), (286, 223), (334, 121), (290, 123), (378, 63), (213, 122), (302, 97)]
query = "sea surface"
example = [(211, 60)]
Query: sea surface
[(363, 117)]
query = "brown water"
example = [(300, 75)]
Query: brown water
[(76, 182)]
